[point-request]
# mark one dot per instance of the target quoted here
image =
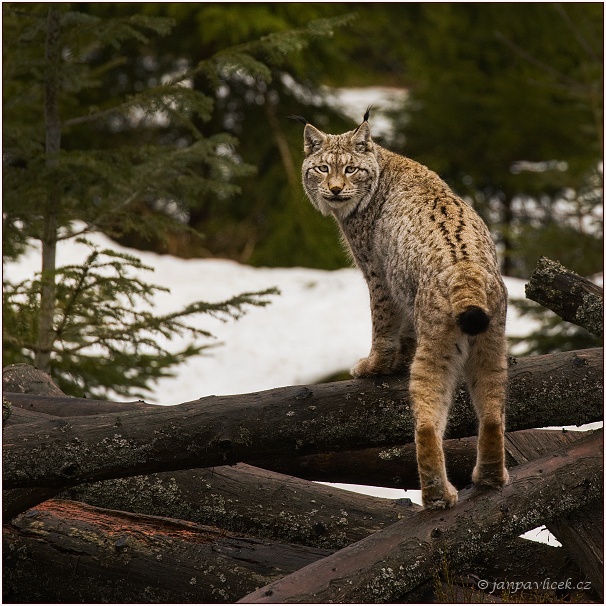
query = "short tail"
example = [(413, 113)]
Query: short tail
[(473, 321), (468, 285)]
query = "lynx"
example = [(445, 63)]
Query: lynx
[(438, 302)]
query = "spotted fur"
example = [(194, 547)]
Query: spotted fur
[(438, 302)]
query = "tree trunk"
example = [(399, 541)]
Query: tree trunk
[(388, 564), (555, 389), (574, 298), (48, 288), (65, 552)]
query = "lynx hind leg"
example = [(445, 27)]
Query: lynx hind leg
[(433, 377), (486, 377)]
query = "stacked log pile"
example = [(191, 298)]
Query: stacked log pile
[(215, 500)]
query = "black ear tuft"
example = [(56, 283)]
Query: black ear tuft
[(298, 118), (367, 114)]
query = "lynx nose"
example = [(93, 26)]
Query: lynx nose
[(336, 189)]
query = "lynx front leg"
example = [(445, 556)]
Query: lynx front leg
[(385, 355), (433, 376), (486, 377)]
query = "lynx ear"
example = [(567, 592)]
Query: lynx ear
[(361, 138), (314, 139)]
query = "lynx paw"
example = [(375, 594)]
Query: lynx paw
[(376, 365), (440, 496), (364, 368), (492, 475)]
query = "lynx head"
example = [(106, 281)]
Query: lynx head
[(340, 172)]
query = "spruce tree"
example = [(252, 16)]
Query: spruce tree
[(290, 52), (62, 181)]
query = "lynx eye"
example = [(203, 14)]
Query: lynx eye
[(322, 169), (350, 170)]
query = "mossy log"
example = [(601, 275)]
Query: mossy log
[(564, 388), (243, 498), (574, 298), (65, 552), (294, 490), (394, 561), (246, 499)]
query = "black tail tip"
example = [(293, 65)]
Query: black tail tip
[(473, 321)]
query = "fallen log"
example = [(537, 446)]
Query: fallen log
[(581, 532), (521, 561), (574, 298), (66, 406), (20, 499), (582, 536), (23, 378), (564, 388), (68, 552), (22, 416), (245, 499), (396, 467), (65, 552), (393, 561)]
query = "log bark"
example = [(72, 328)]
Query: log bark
[(21, 416), (581, 532), (245, 499), (392, 562), (574, 298), (23, 378), (250, 500), (582, 536), (519, 561), (564, 388), (396, 467), (65, 406), (20, 499), (64, 552), (68, 552)]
